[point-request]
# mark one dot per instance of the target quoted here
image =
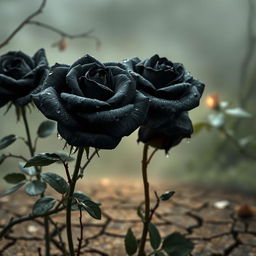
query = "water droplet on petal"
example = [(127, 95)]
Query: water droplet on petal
[(195, 95), (48, 93), (59, 137), (50, 74), (58, 111)]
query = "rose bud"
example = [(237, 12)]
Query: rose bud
[(20, 76), (95, 104), (172, 91)]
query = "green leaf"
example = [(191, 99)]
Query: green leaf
[(63, 157), (154, 236), (167, 195), (79, 197), (42, 159), (43, 205), (31, 171), (216, 120), (46, 128), (177, 245), (199, 126), (7, 140), (2, 158), (12, 189), (14, 178), (238, 112), (92, 208), (56, 182), (130, 242), (35, 187)]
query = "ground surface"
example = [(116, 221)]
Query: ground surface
[(192, 211)]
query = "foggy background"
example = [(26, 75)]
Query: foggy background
[(208, 37)]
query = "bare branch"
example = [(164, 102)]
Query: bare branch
[(23, 23)]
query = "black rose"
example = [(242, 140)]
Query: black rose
[(95, 104), (172, 91), (21, 75)]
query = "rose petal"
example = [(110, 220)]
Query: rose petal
[(24, 100), (130, 122), (51, 106), (173, 91), (77, 103), (108, 116), (131, 63), (125, 91), (40, 58), (87, 59), (88, 139), (72, 80), (11, 86), (57, 78)]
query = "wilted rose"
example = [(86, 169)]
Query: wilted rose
[(95, 104), (21, 75), (172, 91)]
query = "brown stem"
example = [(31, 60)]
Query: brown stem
[(80, 239), (146, 221)]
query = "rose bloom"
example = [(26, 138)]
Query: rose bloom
[(172, 91), (21, 75), (95, 104)]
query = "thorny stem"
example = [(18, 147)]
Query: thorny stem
[(87, 162), (80, 239), (69, 201), (146, 221)]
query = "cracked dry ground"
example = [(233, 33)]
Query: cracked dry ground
[(192, 211)]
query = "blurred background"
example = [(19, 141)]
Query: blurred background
[(215, 41)]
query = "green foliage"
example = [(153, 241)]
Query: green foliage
[(12, 189), (7, 141), (43, 205), (238, 112), (46, 128), (56, 182), (177, 245), (31, 171), (42, 159), (167, 195), (35, 187), (92, 208), (154, 236), (130, 242), (14, 178)]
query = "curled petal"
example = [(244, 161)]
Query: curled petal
[(40, 58), (124, 91), (51, 106), (88, 139), (87, 59), (57, 78), (77, 103), (106, 117), (72, 80), (130, 122)]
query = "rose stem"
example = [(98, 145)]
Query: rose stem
[(32, 153), (69, 202), (147, 201)]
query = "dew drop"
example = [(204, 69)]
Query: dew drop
[(58, 111), (59, 137), (48, 93), (50, 74), (167, 155), (195, 95)]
